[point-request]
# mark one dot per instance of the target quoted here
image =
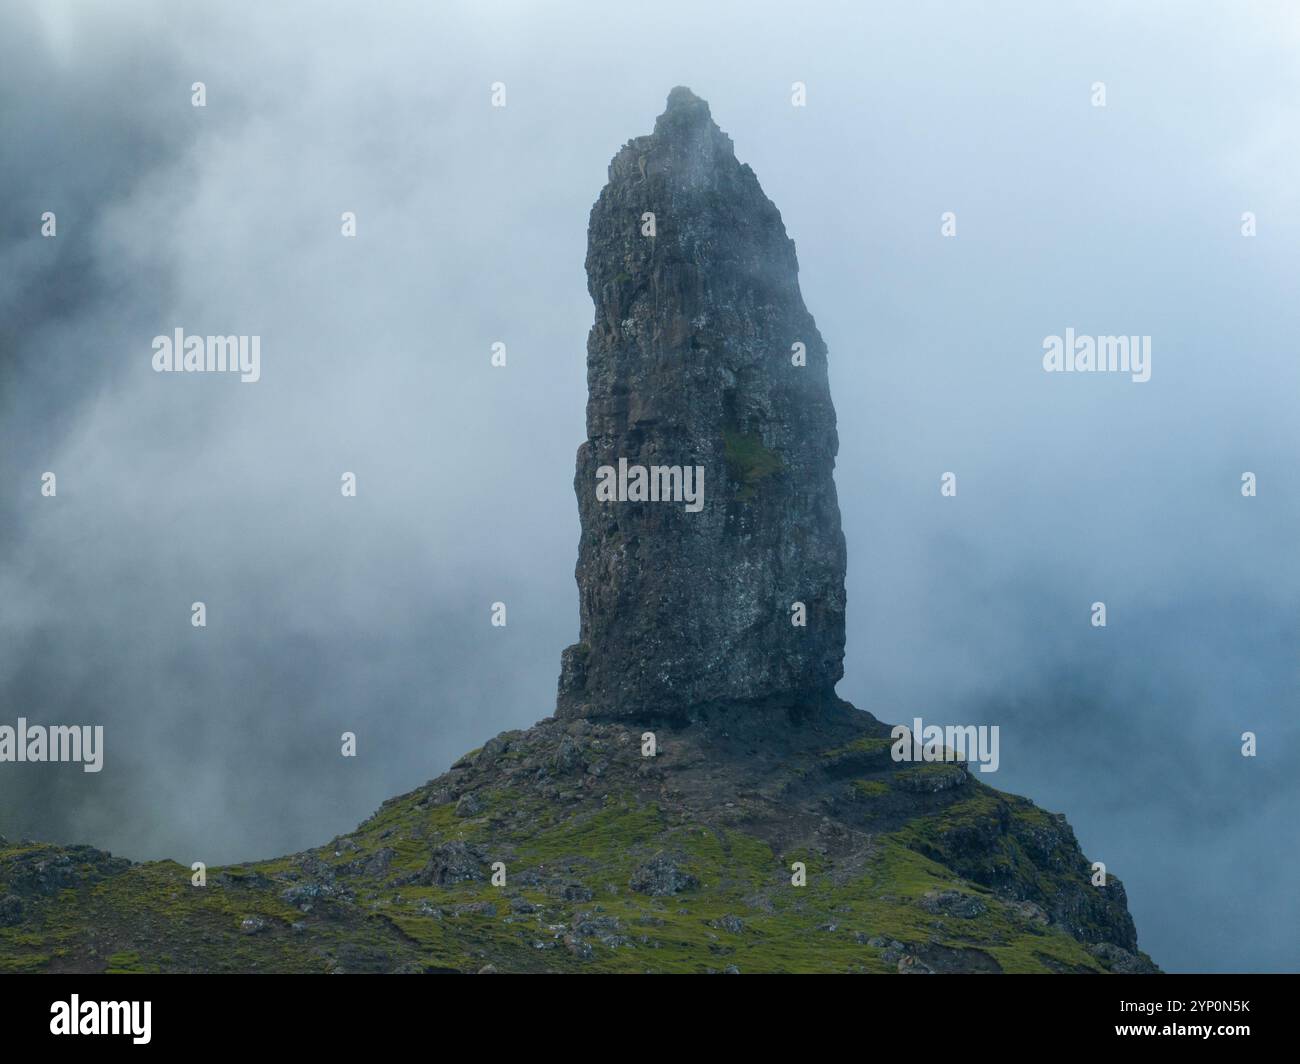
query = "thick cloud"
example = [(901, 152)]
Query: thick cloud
[(371, 614)]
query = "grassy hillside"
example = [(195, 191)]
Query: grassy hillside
[(614, 862)]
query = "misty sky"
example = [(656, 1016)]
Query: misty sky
[(371, 614)]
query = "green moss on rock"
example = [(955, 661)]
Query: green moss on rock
[(748, 461)]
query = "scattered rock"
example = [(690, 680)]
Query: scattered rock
[(662, 876), (607, 930), (50, 869), (1120, 961), (574, 891), (568, 757), (499, 745), (952, 903), (470, 804), (452, 862), (11, 910), (304, 896)]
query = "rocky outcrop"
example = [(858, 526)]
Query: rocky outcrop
[(702, 358)]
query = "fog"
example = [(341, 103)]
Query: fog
[(371, 614)]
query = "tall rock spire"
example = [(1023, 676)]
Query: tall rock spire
[(704, 359)]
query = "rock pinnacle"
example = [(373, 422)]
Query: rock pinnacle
[(711, 561)]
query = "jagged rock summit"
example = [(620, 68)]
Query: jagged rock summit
[(702, 358)]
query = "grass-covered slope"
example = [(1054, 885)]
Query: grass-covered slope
[(615, 862)]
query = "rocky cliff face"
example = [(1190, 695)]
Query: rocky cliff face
[(704, 357)]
